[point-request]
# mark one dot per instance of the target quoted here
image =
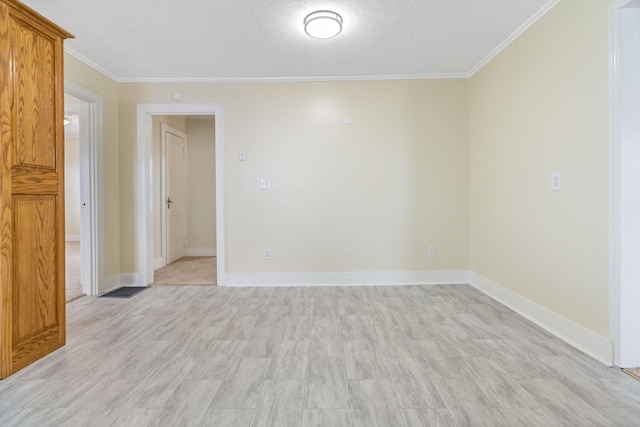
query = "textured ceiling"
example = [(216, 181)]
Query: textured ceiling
[(263, 39)]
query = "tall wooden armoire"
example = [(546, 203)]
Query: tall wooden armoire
[(32, 243)]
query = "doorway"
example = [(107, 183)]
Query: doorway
[(83, 172), (148, 257), (625, 176), (73, 200)]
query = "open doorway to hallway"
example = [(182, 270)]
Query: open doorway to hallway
[(145, 208), (83, 172), (184, 200), (73, 208)]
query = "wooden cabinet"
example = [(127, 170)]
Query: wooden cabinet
[(32, 275)]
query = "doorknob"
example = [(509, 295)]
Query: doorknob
[(169, 201)]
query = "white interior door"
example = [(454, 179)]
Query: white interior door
[(175, 203)]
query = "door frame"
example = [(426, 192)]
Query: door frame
[(144, 183), (92, 260), (164, 183), (624, 222)]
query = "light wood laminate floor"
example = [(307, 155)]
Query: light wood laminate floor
[(313, 356)]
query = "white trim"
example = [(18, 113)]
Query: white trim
[(614, 179), (91, 130), (159, 263), (513, 36), (110, 284), (130, 279), (92, 64), (592, 344), (201, 251), (383, 278), (119, 79), (117, 281), (292, 79), (72, 238), (623, 249), (144, 180)]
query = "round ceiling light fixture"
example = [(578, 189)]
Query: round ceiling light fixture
[(323, 24)]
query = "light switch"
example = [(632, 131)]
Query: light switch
[(556, 181), (265, 183), (242, 155)]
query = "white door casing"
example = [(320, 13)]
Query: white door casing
[(144, 181), (625, 193), (175, 200), (91, 187)]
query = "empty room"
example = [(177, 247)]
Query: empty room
[(418, 213)]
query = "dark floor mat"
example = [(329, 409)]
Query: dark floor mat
[(125, 292)]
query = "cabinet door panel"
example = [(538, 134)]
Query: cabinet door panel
[(35, 280), (34, 92)]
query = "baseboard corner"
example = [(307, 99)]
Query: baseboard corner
[(577, 336)]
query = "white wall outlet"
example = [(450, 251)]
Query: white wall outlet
[(432, 251), (556, 181), (242, 155), (265, 183), (267, 254)]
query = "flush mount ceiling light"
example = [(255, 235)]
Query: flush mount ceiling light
[(323, 24)]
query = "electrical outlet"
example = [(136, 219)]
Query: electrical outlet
[(432, 251), (556, 181), (267, 254), (265, 183)]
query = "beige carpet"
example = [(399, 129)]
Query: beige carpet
[(72, 261), (188, 271)]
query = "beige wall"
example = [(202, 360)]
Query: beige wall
[(366, 197), (542, 106), (72, 185), (463, 165), (96, 82), (178, 123), (201, 184)]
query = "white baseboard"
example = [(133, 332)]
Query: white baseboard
[(158, 263), (110, 284), (590, 343), (386, 278), (114, 282), (130, 279), (72, 237), (201, 252)]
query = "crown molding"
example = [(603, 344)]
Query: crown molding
[(517, 33), (92, 64), (291, 79)]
